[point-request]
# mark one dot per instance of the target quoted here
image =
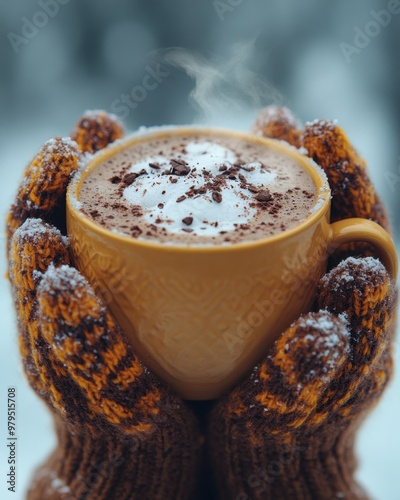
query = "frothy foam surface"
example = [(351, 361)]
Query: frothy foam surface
[(201, 189)]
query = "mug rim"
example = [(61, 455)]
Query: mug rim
[(320, 207)]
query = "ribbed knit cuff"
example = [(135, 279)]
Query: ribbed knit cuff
[(301, 470), (110, 466)]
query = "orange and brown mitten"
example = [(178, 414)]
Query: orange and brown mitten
[(287, 431), (121, 433)]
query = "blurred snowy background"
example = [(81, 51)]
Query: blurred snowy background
[(336, 60)]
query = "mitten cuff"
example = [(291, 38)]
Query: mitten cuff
[(87, 464), (301, 469)]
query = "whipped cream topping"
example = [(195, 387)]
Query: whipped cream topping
[(203, 188), (157, 195)]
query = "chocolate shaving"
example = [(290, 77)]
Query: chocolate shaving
[(217, 196), (192, 191), (247, 169), (187, 220), (179, 167), (181, 198), (130, 179), (115, 179), (136, 231), (263, 195), (154, 165)]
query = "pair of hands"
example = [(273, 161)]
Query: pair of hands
[(327, 368)]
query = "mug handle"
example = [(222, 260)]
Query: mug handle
[(356, 229)]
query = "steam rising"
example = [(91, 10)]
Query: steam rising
[(227, 88)]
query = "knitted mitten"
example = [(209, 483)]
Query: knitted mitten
[(121, 433), (288, 430)]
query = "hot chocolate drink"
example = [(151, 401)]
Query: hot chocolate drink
[(202, 189), (225, 239)]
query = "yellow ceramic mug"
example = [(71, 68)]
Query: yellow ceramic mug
[(201, 317)]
